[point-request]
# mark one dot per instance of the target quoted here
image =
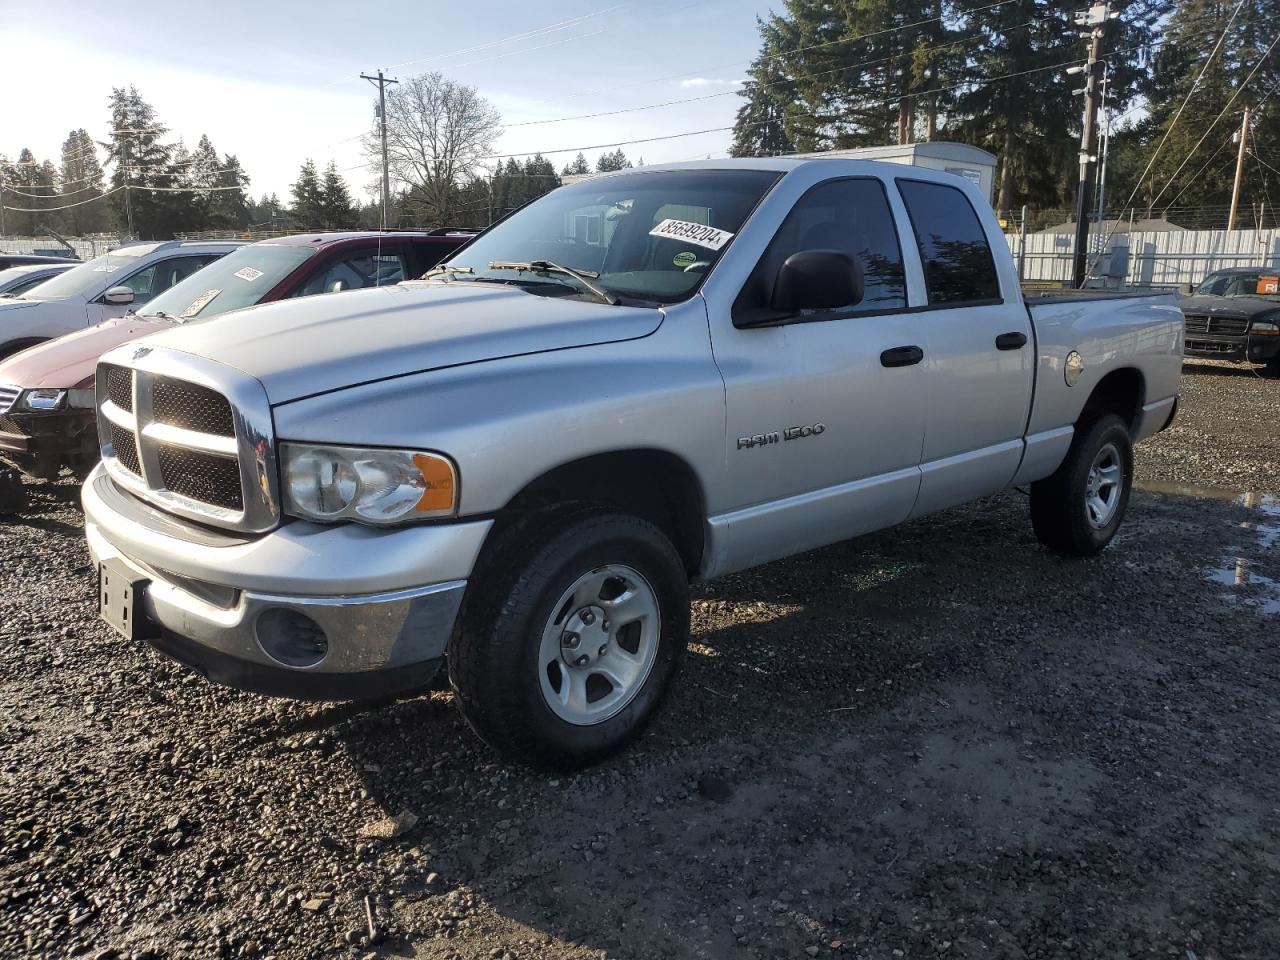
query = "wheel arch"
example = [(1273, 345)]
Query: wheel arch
[(19, 344), (657, 485), (1122, 392)]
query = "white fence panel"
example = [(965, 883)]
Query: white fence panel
[(86, 249), (1156, 259)]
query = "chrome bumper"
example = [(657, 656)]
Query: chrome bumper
[(206, 595)]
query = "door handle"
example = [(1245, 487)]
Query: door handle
[(1011, 341), (901, 357)]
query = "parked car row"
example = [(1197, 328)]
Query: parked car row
[(517, 465), (20, 278), (54, 333)]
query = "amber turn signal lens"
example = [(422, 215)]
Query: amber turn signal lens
[(437, 476)]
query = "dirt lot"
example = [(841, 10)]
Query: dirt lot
[(940, 741)]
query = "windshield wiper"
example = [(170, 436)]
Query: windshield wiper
[(445, 269), (584, 277)]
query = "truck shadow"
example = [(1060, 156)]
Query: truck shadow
[(834, 710), (1208, 368)]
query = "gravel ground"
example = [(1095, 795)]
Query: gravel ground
[(939, 741)]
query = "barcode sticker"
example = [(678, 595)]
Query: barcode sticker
[(696, 233)]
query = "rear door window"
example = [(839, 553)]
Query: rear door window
[(163, 274), (958, 267)]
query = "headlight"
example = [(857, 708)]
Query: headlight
[(1265, 330), (45, 399), (330, 484)]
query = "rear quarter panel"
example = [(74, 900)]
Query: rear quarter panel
[(1143, 333)]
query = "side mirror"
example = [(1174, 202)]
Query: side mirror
[(818, 280), (118, 296)]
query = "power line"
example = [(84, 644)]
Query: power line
[(541, 31), (1106, 241), (1274, 170), (1240, 89), (66, 206)]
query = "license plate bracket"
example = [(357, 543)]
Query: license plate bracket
[(121, 600)]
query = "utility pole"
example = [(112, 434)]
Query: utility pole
[(124, 167), (1235, 190), (382, 82), (1095, 18)]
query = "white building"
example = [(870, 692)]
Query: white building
[(972, 163)]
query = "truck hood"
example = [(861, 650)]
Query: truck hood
[(1251, 307), (71, 361), (312, 345)]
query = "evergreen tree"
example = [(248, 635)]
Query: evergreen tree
[(82, 181), (609, 162), (307, 211), (846, 73), (31, 187), (338, 212), (578, 168), (759, 130), (142, 160), (539, 176), (1207, 176), (229, 208)]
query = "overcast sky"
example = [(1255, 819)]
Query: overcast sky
[(277, 82)]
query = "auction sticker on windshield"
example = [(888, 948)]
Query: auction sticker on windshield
[(198, 304), (249, 273), (695, 233)]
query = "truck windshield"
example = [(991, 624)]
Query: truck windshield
[(240, 279), (1264, 285), (88, 278), (649, 236)]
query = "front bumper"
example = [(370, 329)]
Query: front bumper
[(385, 600), (1246, 348), (40, 444)]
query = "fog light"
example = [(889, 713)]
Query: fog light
[(291, 638)]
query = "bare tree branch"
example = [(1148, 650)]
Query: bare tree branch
[(437, 133)]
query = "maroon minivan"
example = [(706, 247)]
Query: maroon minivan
[(47, 392)]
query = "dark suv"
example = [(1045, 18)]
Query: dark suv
[(1235, 315)]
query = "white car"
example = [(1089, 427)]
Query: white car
[(105, 287), (18, 280)]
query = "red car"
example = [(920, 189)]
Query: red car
[(47, 392)]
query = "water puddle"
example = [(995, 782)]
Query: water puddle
[(1263, 593), (1237, 572)]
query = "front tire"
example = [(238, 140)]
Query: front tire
[(13, 492), (576, 624), (1272, 370), (1079, 509)]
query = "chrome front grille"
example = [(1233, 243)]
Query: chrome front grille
[(8, 397), (191, 407), (190, 436), (201, 476), (120, 387), (1203, 323), (125, 445)]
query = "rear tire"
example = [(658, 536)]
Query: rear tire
[(1079, 509), (575, 625)]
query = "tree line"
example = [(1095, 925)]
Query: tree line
[(834, 74), (441, 135)]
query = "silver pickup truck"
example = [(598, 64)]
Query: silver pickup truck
[(518, 464)]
